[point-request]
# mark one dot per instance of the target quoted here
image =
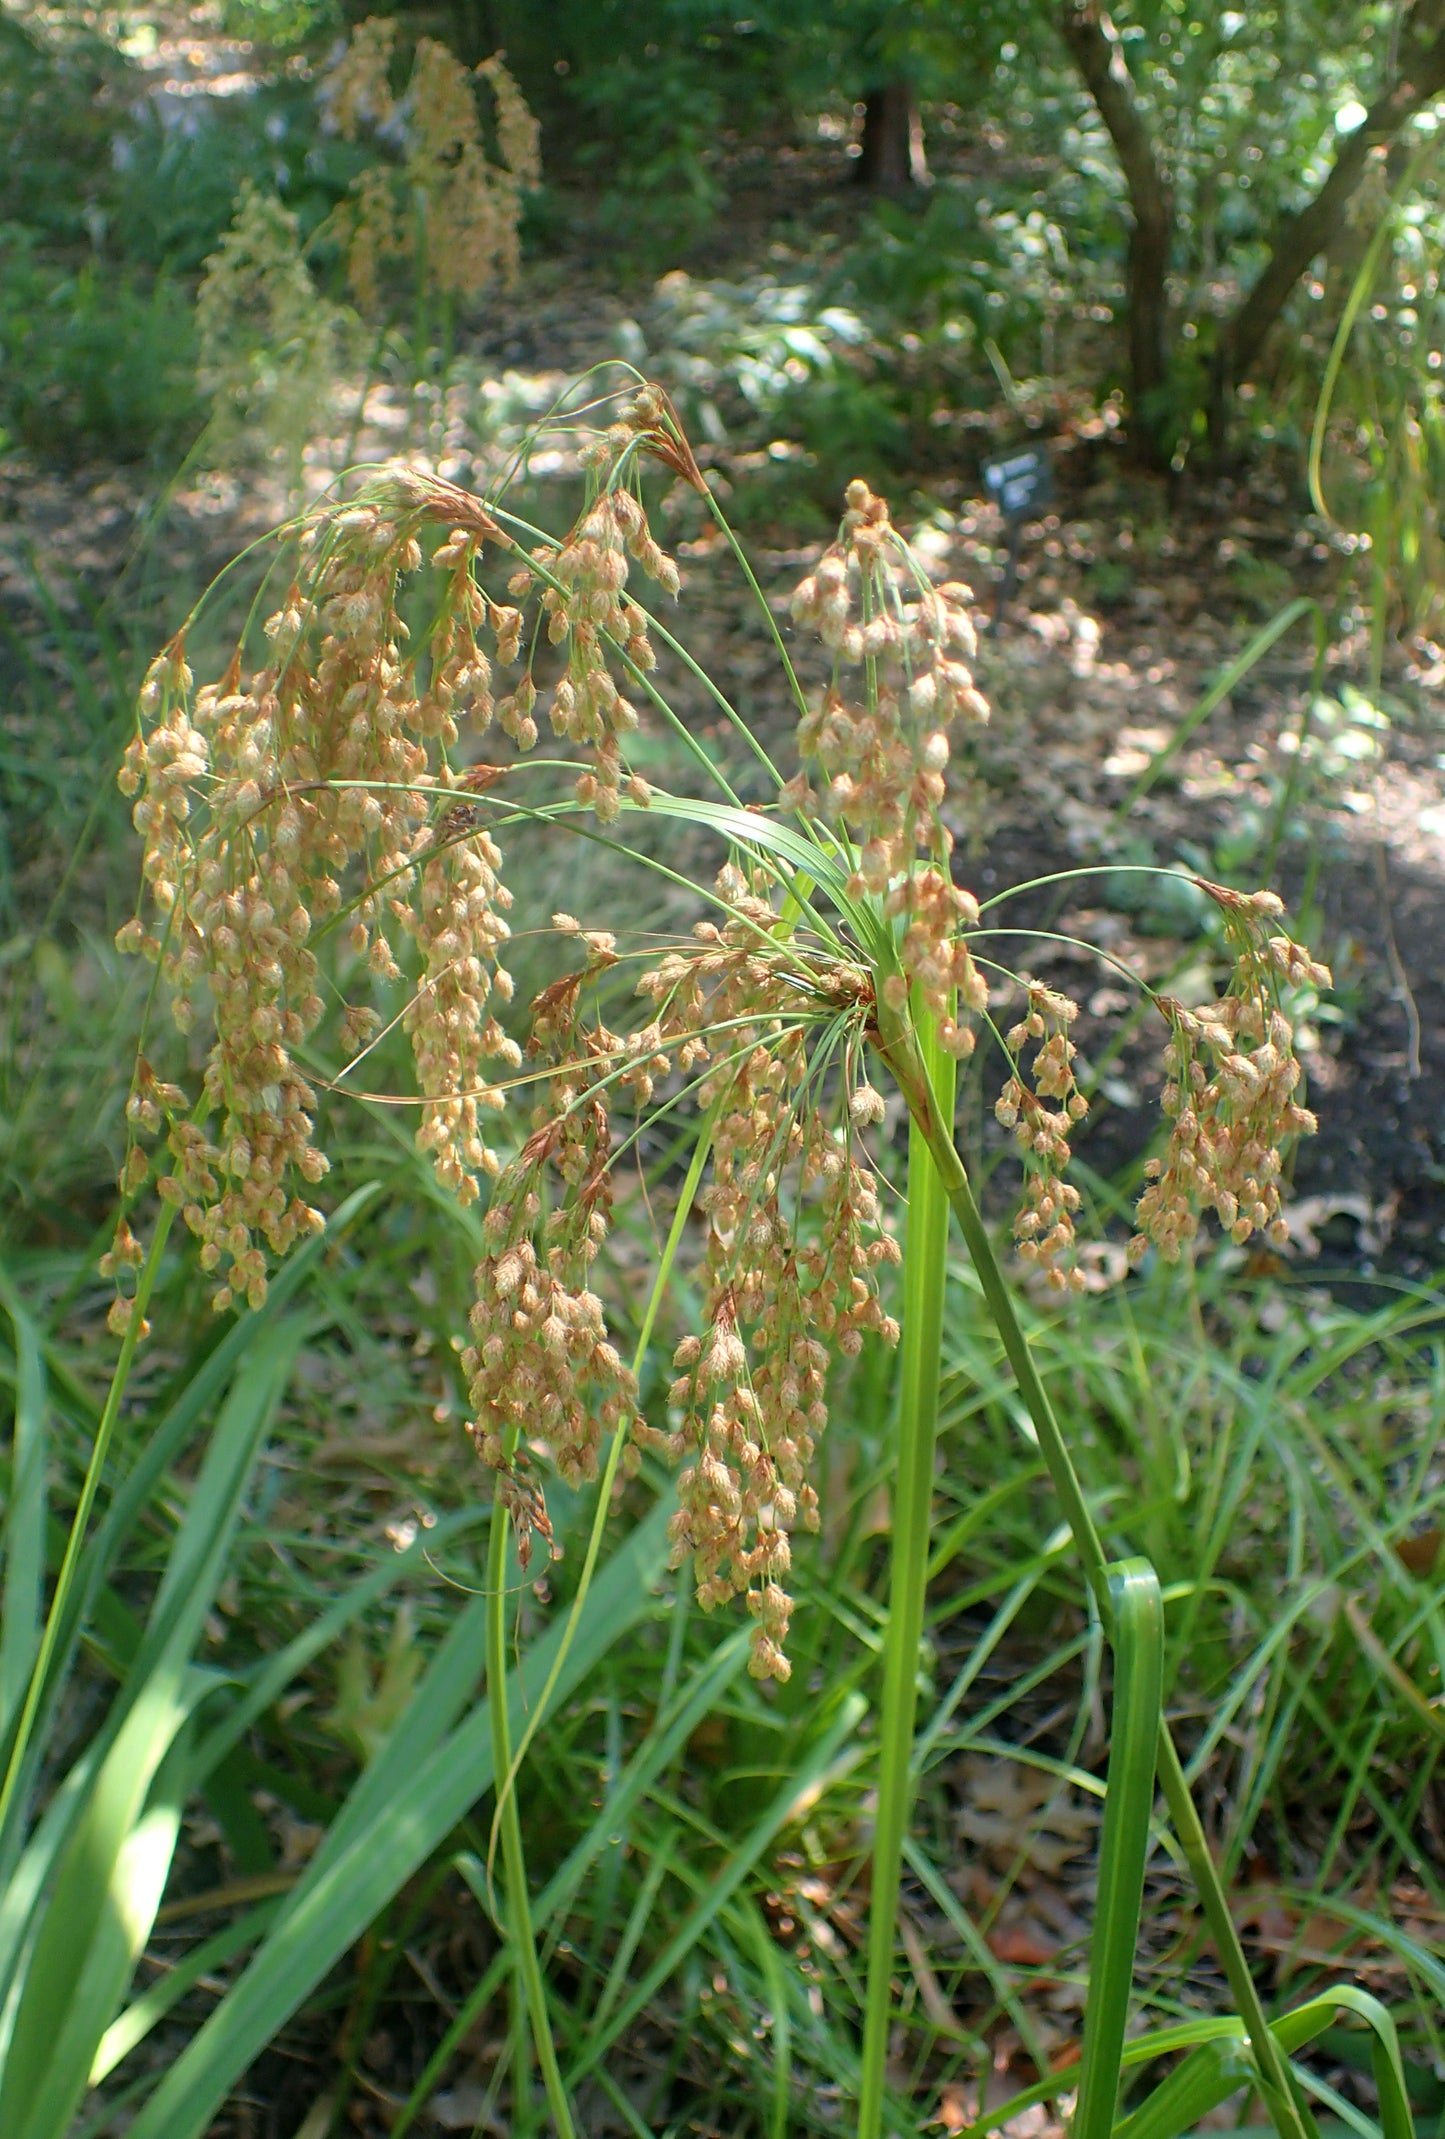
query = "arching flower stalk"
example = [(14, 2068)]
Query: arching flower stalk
[(270, 342), (542, 1370), (446, 203), (317, 791), (586, 611), (879, 737), (750, 1397), (1044, 1225)]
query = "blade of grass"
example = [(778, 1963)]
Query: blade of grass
[(976, 1946), (667, 1738), (277, 1672), (517, 1920), (831, 1757), (1222, 2032), (1138, 1642), (1360, 289), (25, 1514), (637, 1921), (780, 2020), (131, 2028), (215, 1507), (343, 1889), (1219, 690), (16, 1769), (1204, 2080), (99, 1915), (74, 1602), (196, 1562), (1396, 2120), (110, 1878)]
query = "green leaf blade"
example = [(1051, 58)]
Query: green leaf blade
[(1138, 1640)]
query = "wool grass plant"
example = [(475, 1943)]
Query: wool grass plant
[(326, 828), (431, 210)]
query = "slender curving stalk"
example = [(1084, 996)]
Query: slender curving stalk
[(931, 1114), (924, 1261), (765, 607), (508, 1763), (508, 1773), (518, 1910)]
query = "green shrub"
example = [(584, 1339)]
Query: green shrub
[(92, 362), (59, 102), (176, 178)]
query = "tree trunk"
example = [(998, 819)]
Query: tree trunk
[(892, 160), (1099, 56), (1420, 79), (1417, 79)]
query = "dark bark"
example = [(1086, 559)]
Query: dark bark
[(1420, 79), (893, 160), (1417, 79), (1099, 56)]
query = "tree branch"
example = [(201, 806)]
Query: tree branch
[(1099, 56), (1419, 81)]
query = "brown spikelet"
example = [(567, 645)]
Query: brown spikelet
[(878, 742), (1233, 1074), (269, 802)]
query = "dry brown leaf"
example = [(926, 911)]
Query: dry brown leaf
[(1014, 1811)]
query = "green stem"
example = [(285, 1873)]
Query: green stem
[(420, 313), (799, 697), (506, 1763), (80, 1523), (369, 376), (931, 1112), (518, 1907), (925, 1257)]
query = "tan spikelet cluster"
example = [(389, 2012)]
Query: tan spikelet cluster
[(266, 339), (1044, 1226), (373, 230), (584, 600), (751, 1392), (519, 137), (356, 90), (1230, 1099), (541, 1367), (316, 792), (470, 206), (879, 739), (325, 787), (795, 1243), (457, 920)]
